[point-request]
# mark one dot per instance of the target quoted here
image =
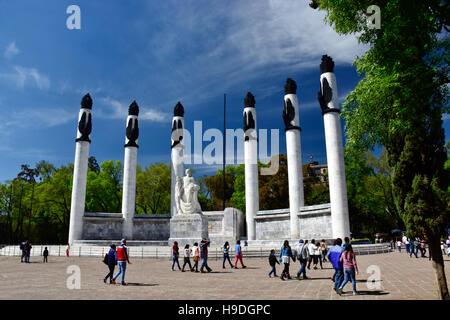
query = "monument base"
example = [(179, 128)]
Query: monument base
[(188, 229)]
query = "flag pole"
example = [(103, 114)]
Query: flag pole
[(224, 144)]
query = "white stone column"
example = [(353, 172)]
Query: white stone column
[(129, 171), (329, 101), (80, 169), (177, 154), (294, 155), (251, 165)]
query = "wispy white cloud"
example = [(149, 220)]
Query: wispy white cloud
[(23, 76), (207, 47), (114, 109), (11, 50)]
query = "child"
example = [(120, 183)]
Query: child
[(187, 259), (45, 254), (273, 263), (399, 246)]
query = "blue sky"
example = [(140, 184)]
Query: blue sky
[(158, 53)]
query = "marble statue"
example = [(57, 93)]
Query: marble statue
[(186, 194)]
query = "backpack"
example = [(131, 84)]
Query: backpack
[(105, 259)]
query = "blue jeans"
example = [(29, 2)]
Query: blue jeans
[(412, 252), (338, 278), (204, 264), (175, 259), (122, 268), (302, 268), (399, 248), (274, 270), (407, 247), (226, 257), (349, 274)]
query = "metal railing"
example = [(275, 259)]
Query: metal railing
[(160, 252)]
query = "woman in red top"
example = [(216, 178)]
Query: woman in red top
[(350, 267), (175, 255)]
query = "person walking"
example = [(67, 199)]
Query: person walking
[(204, 255), (334, 256), (226, 255), (346, 242), (45, 255), (318, 256), (187, 257), (28, 248), (405, 241), (122, 259), (196, 257), (412, 249), (312, 250), (302, 254), (348, 258), (175, 254), (273, 261), (423, 249), (23, 249), (67, 250), (399, 246), (323, 245), (238, 255), (285, 257), (112, 261)]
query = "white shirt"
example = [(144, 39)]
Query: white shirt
[(311, 249), (187, 252)]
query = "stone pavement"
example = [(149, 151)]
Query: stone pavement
[(401, 278)]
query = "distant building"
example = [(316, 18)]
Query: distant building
[(318, 170)]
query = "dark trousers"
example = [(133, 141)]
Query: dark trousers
[(111, 272), (226, 257), (45, 259), (285, 272), (187, 261)]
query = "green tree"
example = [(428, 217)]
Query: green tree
[(399, 104), (104, 188), (153, 186)]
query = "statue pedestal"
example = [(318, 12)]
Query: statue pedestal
[(187, 229)]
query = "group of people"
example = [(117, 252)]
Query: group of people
[(413, 246), (117, 256), (25, 247), (200, 252), (306, 253), (340, 255)]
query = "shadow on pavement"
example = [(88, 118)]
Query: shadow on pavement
[(135, 284), (371, 293)]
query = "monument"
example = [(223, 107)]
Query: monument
[(80, 169), (177, 151), (251, 165), (188, 224), (129, 170), (291, 120), (329, 103)]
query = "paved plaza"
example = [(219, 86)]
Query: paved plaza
[(401, 278)]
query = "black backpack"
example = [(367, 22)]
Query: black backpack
[(105, 259)]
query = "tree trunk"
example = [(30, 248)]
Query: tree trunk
[(438, 266)]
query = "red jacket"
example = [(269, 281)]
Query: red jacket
[(122, 254)]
